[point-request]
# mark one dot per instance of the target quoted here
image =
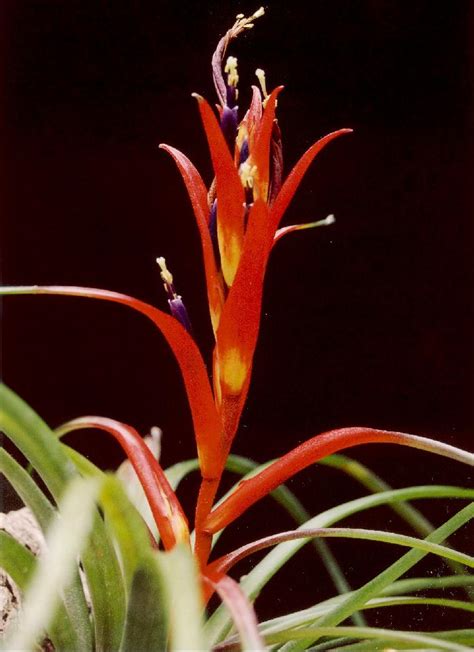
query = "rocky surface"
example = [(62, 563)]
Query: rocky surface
[(22, 525)]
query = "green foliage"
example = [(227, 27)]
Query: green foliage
[(156, 595)]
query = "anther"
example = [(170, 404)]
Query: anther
[(166, 276), (262, 81), (247, 173), (247, 23), (231, 70)]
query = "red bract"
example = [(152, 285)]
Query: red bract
[(247, 223), (167, 511)]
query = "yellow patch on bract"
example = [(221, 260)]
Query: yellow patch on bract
[(230, 246), (233, 371)]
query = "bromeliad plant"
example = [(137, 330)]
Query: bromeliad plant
[(146, 551)]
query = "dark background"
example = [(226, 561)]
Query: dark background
[(367, 322)]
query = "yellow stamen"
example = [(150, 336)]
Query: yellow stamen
[(231, 70), (165, 273), (263, 85), (263, 82), (247, 174), (247, 23)]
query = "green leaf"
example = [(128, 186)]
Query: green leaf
[(20, 564), (393, 636), (219, 623), (307, 616), (183, 599), (56, 566), (373, 588), (375, 484), (460, 636), (179, 471), (44, 512), (146, 625), (46, 454), (35, 440), (27, 490), (428, 583)]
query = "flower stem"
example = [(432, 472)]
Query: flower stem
[(205, 501)]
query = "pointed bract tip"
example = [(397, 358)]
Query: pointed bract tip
[(197, 97)]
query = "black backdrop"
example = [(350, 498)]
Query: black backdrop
[(367, 322)]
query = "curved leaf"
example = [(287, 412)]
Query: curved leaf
[(56, 566), (206, 421), (219, 623), (167, 511), (46, 454), (250, 491)]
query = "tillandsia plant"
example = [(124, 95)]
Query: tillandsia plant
[(147, 575)]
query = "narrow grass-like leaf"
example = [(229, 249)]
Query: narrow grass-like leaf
[(84, 466), (55, 568), (228, 560), (179, 471), (183, 599), (27, 489), (128, 528), (20, 564), (307, 616), (44, 512), (374, 483), (287, 499), (373, 588), (35, 440), (218, 624), (47, 456), (388, 635), (428, 583), (459, 636), (16, 560), (145, 625)]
